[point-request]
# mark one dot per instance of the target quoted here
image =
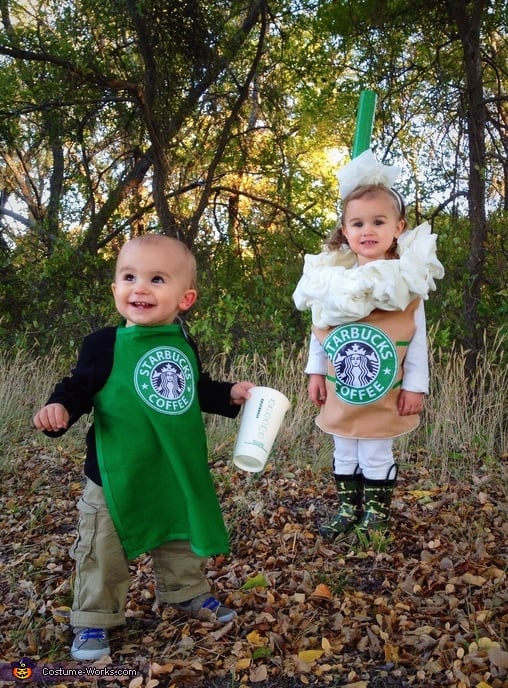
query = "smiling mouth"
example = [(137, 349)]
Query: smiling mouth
[(141, 304)]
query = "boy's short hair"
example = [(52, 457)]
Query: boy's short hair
[(154, 237)]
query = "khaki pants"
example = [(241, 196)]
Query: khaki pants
[(102, 577)]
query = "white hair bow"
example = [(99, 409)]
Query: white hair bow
[(365, 169)]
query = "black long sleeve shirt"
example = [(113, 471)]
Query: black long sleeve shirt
[(95, 362)]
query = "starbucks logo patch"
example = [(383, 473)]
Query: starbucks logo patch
[(164, 379), (365, 362)]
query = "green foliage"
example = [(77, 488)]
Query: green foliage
[(258, 320), (445, 307), (55, 300), (218, 124)]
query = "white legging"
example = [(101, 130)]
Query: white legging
[(373, 458)]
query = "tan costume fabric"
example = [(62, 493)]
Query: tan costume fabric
[(378, 418)]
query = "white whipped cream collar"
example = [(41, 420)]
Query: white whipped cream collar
[(337, 292)]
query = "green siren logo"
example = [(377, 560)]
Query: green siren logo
[(365, 362), (164, 380)]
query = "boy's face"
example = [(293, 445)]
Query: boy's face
[(153, 282)]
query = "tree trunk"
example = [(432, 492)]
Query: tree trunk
[(466, 16)]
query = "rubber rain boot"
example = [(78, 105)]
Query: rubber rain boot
[(350, 497), (377, 497)]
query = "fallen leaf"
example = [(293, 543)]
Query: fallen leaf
[(254, 638), (222, 631), (499, 658), (310, 656), (157, 669), (258, 674), (259, 652), (322, 590), (61, 614), (423, 496), (258, 581), (136, 682), (391, 653), (487, 643), (471, 579), (325, 644)]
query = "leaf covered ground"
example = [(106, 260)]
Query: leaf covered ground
[(427, 607)]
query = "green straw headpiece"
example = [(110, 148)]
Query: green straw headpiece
[(364, 122)]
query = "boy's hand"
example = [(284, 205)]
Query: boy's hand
[(52, 417), (317, 389), (240, 392), (410, 403)]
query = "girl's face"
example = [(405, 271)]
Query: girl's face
[(371, 223)]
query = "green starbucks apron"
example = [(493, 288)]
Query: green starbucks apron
[(151, 445)]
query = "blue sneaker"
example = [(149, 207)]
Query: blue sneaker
[(90, 644), (206, 608)]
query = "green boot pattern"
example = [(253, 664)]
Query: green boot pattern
[(350, 494), (377, 497)]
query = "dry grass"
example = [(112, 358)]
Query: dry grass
[(25, 383), (465, 421)]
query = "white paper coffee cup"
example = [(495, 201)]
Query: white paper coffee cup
[(262, 417)]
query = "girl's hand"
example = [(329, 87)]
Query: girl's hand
[(410, 403), (240, 392), (317, 389), (53, 417)]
